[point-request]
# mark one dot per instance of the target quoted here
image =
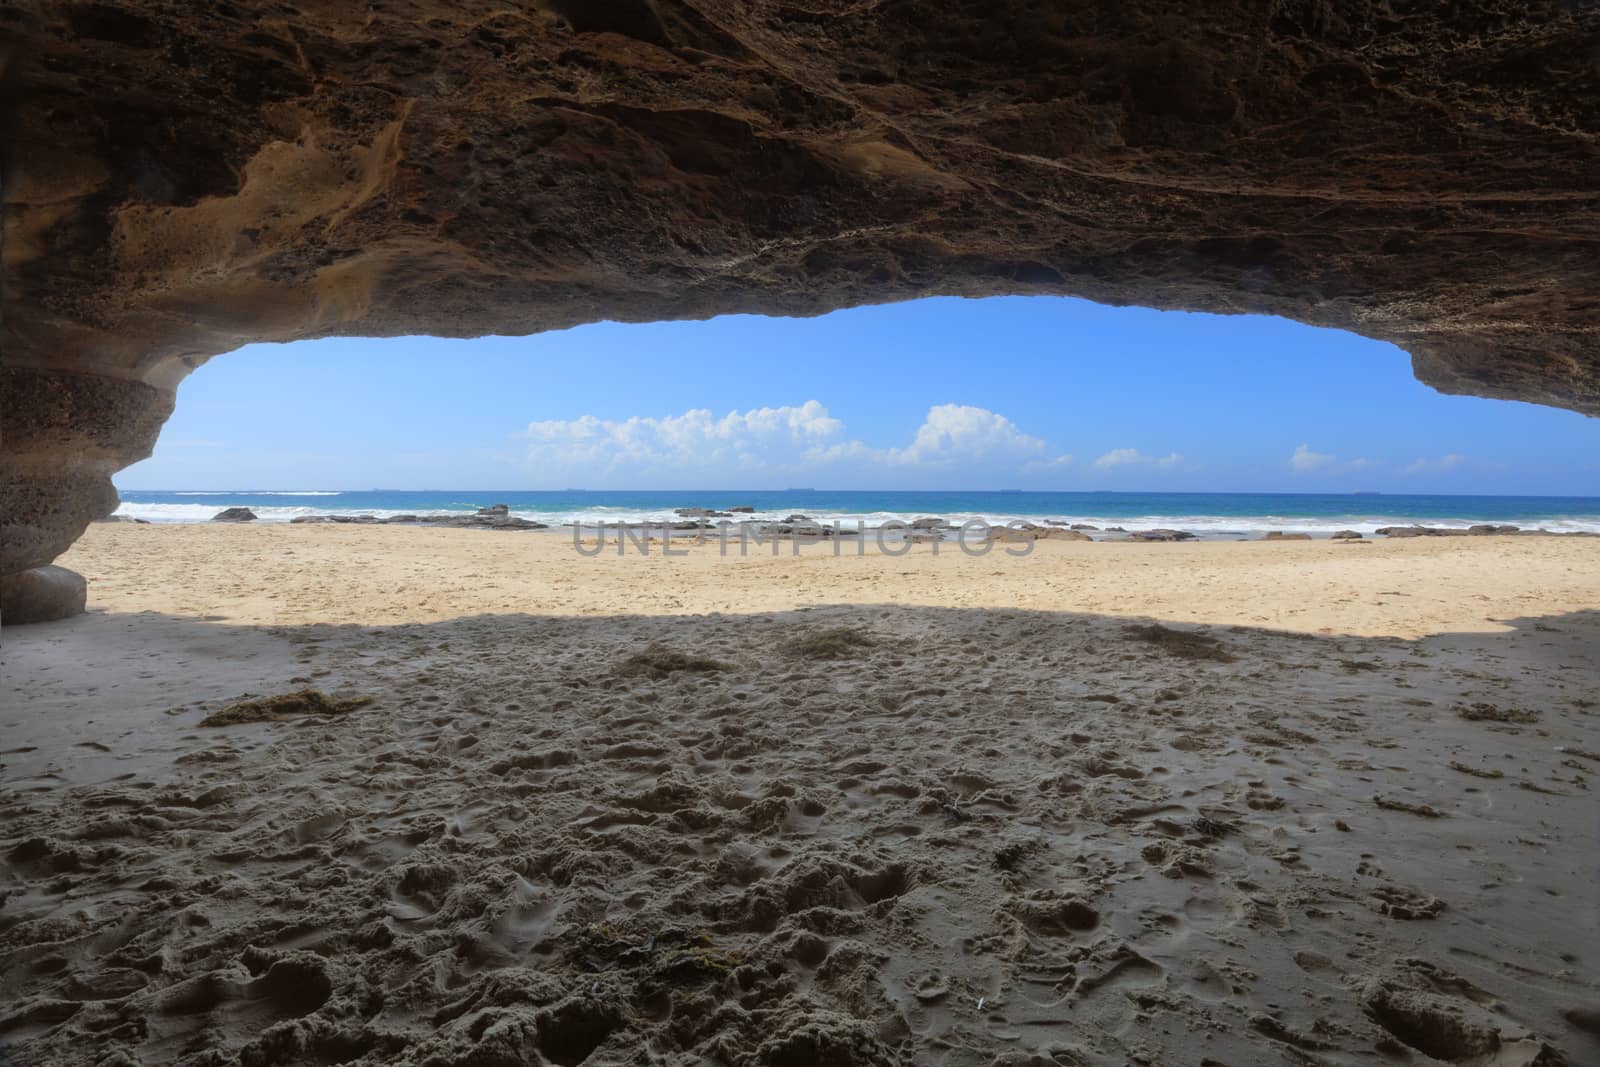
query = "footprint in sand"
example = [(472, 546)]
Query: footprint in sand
[(1426, 1008)]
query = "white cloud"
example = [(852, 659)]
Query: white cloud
[(1046, 465), (1132, 457), (1306, 460), (1118, 457), (696, 438), (962, 432), (787, 440), (1424, 465)]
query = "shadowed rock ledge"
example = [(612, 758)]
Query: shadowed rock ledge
[(185, 179)]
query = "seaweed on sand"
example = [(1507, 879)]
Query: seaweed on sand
[(275, 708), (657, 661), (1181, 643), (1490, 713), (835, 643)]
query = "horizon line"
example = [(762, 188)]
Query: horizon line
[(1007, 491)]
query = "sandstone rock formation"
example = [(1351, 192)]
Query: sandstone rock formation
[(185, 178), (41, 594)]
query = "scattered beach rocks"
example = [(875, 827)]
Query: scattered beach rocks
[(1347, 535), (41, 595), (742, 509), (1161, 535), (495, 509), (702, 513), (234, 515), (1058, 534), (1279, 535), (495, 524), (1025, 532), (1009, 534), (803, 527), (1482, 529), (342, 519), (1020, 533), (1083, 526), (482, 519)]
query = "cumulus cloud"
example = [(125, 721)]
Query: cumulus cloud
[(1425, 465), (697, 438), (959, 431), (1132, 457), (787, 439), (1305, 460)]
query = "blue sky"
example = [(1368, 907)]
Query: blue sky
[(1011, 392)]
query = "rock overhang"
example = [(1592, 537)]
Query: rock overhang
[(181, 181)]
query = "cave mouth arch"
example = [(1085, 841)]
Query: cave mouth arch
[(1038, 393)]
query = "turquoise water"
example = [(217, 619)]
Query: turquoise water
[(1206, 514)]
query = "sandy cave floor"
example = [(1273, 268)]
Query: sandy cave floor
[(970, 828)]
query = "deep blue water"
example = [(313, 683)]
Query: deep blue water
[(1213, 514)]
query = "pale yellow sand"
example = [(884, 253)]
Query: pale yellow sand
[(977, 837), (286, 574)]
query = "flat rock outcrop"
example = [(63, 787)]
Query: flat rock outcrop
[(482, 519), (1160, 534), (1028, 532), (182, 179)]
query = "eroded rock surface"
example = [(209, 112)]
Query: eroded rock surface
[(41, 594), (184, 179)]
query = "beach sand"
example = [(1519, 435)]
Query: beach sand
[(1256, 803)]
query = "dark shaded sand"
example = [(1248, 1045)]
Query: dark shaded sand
[(957, 837)]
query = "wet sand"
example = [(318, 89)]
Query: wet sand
[(1179, 803)]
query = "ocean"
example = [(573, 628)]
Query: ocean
[(1209, 515)]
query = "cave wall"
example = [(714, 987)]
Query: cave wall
[(181, 179)]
